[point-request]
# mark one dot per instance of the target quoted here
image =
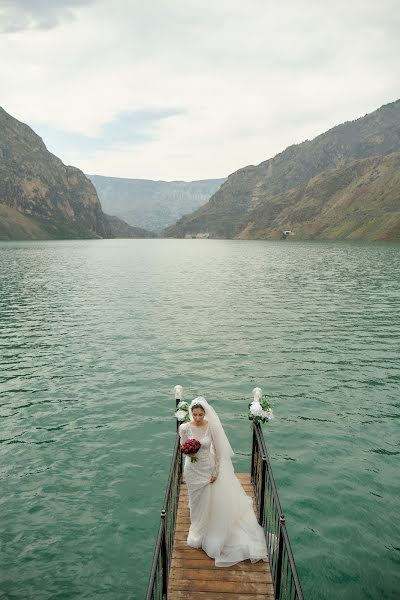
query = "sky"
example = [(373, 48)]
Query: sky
[(192, 89)]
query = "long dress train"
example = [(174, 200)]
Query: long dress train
[(222, 519)]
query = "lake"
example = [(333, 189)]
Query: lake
[(95, 334)]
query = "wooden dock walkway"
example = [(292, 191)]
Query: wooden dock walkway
[(193, 575)]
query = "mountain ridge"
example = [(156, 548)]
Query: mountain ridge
[(229, 211), (351, 207), (56, 200)]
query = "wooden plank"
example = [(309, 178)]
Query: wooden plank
[(205, 585), (248, 492), (184, 551), (183, 595), (247, 488), (182, 532), (181, 560), (217, 574), (244, 478)]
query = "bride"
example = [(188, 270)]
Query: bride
[(222, 519)]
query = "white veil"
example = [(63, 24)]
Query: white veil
[(223, 448)]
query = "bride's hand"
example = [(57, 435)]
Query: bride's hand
[(213, 478)]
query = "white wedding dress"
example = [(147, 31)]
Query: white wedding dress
[(223, 522)]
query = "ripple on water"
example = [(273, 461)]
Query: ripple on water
[(95, 334)]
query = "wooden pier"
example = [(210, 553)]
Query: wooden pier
[(194, 576), (179, 572)]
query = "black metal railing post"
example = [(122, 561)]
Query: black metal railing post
[(180, 466), (159, 575), (253, 448), (178, 398), (280, 559), (262, 491), (164, 555), (283, 569)]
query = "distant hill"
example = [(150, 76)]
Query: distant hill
[(152, 204), (320, 188), (41, 198), (121, 229)]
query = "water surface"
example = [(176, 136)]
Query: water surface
[(95, 334)]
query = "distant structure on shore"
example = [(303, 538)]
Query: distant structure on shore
[(198, 236)]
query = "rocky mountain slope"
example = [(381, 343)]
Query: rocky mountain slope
[(299, 185), (152, 204), (359, 200), (40, 197)]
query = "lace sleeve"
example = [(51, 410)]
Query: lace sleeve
[(183, 433)]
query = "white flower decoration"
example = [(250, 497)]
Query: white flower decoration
[(260, 410), (256, 408), (267, 414), (180, 415)]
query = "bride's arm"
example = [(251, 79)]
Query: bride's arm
[(183, 434), (216, 468)]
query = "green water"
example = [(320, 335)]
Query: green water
[(95, 334)]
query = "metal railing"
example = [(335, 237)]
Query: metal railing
[(283, 569), (158, 584)]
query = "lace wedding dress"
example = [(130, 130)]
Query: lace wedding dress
[(223, 522)]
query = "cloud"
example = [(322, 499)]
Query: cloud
[(199, 89), (19, 15), (126, 130)]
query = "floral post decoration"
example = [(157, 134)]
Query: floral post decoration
[(182, 409), (182, 412), (260, 410)]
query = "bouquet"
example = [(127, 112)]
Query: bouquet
[(190, 448), (260, 410), (182, 412)]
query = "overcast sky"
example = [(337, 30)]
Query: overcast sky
[(192, 89)]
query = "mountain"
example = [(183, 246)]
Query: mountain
[(152, 204), (359, 200), (121, 229), (294, 189), (40, 197)]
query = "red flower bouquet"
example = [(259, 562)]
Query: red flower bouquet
[(191, 447)]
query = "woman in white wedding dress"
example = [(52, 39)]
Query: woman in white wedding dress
[(222, 519)]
